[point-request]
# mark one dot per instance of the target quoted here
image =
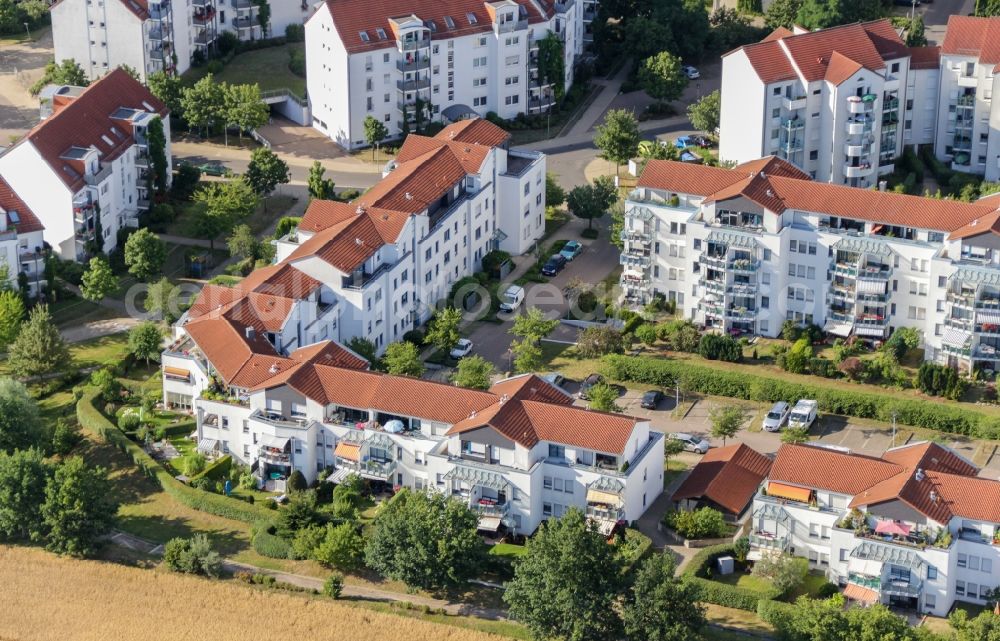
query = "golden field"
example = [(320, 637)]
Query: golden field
[(46, 597)]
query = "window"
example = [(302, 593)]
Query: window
[(843, 555), (974, 563), (986, 566), (557, 451), (557, 485), (547, 509), (963, 560), (930, 601), (547, 483), (931, 573)]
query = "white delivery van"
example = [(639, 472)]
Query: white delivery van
[(803, 414), (512, 298)]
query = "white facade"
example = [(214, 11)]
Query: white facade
[(479, 62), (968, 129), (733, 263), (90, 183)]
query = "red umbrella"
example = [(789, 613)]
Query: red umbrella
[(892, 527)]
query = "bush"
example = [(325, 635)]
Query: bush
[(414, 336), (493, 260), (297, 482), (128, 422), (776, 613), (333, 587), (218, 470), (295, 33), (698, 571), (646, 333), (720, 348), (703, 523), (783, 571), (827, 590), (598, 341), (632, 323), (271, 545), (297, 62), (940, 380), (955, 419), (192, 556)]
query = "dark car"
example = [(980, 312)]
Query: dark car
[(554, 265), (701, 141), (587, 384), (651, 399), (214, 169)]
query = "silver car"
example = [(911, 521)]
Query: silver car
[(777, 417), (692, 443)]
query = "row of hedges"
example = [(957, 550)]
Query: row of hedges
[(223, 506), (692, 377), (722, 594), (270, 545), (217, 471)]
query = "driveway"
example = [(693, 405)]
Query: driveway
[(21, 64)]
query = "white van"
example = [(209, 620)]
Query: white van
[(512, 298), (803, 414)]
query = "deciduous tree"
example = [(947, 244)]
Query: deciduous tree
[(473, 372), (266, 171), (591, 201), (145, 254), (661, 607), (533, 325), (11, 317), (319, 187), (555, 195), (162, 300), (443, 330), (603, 398), (23, 477), (145, 341), (726, 421), (223, 204), (662, 78), (704, 114), (402, 359), (78, 510), (20, 425), (168, 89), (67, 72), (98, 281), (204, 103), (375, 132), (342, 547), (617, 137)]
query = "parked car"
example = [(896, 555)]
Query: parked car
[(651, 399), (692, 443), (462, 348), (571, 250), (803, 414), (691, 72), (777, 416), (553, 265), (511, 298), (213, 169), (587, 384), (554, 378), (683, 142), (702, 141)]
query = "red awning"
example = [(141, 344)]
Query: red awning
[(860, 594), (791, 492), (892, 527)]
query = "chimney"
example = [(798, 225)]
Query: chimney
[(882, 185), (250, 333)]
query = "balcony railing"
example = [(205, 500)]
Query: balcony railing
[(279, 420), (415, 64), (605, 514), (870, 582), (765, 541), (96, 179), (413, 85), (512, 25), (484, 507), (378, 468), (413, 45)]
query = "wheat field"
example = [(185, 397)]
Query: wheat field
[(45, 597)]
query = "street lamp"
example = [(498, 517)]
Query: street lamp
[(27, 30)]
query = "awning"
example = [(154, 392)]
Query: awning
[(604, 526), (273, 442), (956, 337), (349, 451), (871, 286), (870, 330), (860, 594), (477, 477), (988, 317), (790, 492), (838, 329), (176, 371), (754, 555), (606, 498), (489, 523), (208, 445), (871, 551), (892, 527), (457, 112), (339, 475)]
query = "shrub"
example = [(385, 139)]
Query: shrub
[(940, 380), (192, 464), (598, 341), (297, 482), (414, 336), (192, 556), (493, 260), (646, 333), (703, 523), (333, 587), (776, 613), (784, 571), (271, 545), (295, 33), (720, 348), (700, 568), (128, 422), (827, 590), (632, 322)]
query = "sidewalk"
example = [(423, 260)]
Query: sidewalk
[(611, 88)]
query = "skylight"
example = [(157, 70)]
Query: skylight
[(364, 36), (448, 21), (472, 18)]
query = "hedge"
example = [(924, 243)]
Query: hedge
[(216, 504), (723, 594), (217, 471), (271, 545), (775, 613), (934, 415)]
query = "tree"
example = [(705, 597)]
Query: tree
[(363, 348), (645, 37), (598, 341), (661, 607), (168, 89), (555, 195), (266, 171), (244, 108), (223, 205), (984, 627), (375, 132), (662, 78), (783, 571), (795, 435), (243, 243), (157, 144), (473, 372), (819, 14), (204, 103), (443, 330), (533, 325), (320, 187), (297, 482), (39, 348), (78, 509), (782, 13), (551, 63), (192, 556), (726, 421), (110, 387), (567, 584), (333, 586), (342, 547), (617, 138), (161, 300), (145, 341), (527, 356), (704, 114), (603, 398), (425, 540), (796, 360), (99, 280), (11, 317), (703, 523), (67, 72), (403, 359), (300, 513), (145, 254), (591, 201), (23, 477)]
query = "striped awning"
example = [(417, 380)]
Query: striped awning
[(871, 286), (176, 372), (988, 316), (838, 329), (863, 246), (957, 337), (349, 451), (605, 498), (474, 476), (731, 238), (790, 492), (489, 523), (208, 445), (854, 592), (869, 330)]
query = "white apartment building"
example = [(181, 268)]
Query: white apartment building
[(518, 453), (21, 241), (968, 128), (391, 60), (839, 104), (745, 249), (86, 166), (158, 35), (916, 528)]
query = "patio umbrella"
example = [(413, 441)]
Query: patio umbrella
[(892, 527)]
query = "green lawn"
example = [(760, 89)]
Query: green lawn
[(73, 310), (265, 67), (508, 550), (272, 209), (744, 580), (809, 587), (99, 351), (672, 468)]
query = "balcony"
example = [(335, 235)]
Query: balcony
[(855, 128), (960, 299), (768, 541), (96, 179), (413, 64), (635, 262), (204, 38), (204, 17), (241, 4), (856, 150), (159, 34), (244, 23), (859, 171), (890, 104), (380, 469), (968, 81), (541, 103), (279, 420), (877, 273), (744, 265), (490, 507), (510, 25), (413, 45), (741, 314), (269, 455), (716, 286), (792, 104), (419, 84)]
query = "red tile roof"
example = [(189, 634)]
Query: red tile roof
[(925, 57), (86, 121), (476, 131), (412, 186), (282, 280), (727, 476), (351, 17), (321, 214), (770, 62), (11, 203), (686, 178), (225, 344), (972, 36), (470, 155), (819, 467), (840, 69)]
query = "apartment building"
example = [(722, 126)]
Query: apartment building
[(839, 104), (745, 249), (84, 169), (518, 453), (158, 35), (20, 240), (915, 528), (412, 62), (968, 130)]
